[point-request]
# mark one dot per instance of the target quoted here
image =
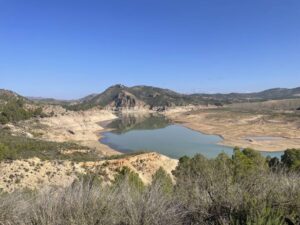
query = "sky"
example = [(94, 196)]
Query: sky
[(67, 49)]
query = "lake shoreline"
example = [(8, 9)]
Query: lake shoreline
[(200, 123), (180, 141)]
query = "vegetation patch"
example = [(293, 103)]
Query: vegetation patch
[(17, 147), (14, 110), (240, 190)]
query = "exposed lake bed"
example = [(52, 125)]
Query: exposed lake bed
[(155, 132)]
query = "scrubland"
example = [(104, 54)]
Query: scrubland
[(244, 189)]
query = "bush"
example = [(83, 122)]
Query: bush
[(241, 190), (86, 204), (207, 191), (291, 159), (247, 161), (163, 180), (6, 153), (125, 174)]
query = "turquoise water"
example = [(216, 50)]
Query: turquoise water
[(155, 133)]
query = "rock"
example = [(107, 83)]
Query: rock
[(71, 132)]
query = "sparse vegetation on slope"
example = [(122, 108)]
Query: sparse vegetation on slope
[(13, 109), (207, 191), (120, 96), (18, 147), (270, 94)]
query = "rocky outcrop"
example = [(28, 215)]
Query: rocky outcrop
[(126, 100)]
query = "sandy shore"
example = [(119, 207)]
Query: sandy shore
[(239, 129), (81, 127), (236, 129)]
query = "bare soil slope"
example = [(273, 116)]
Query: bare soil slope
[(34, 173)]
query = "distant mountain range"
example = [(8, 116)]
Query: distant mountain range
[(120, 96), (274, 93)]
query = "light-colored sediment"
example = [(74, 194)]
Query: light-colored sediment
[(235, 128), (82, 127), (34, 173)]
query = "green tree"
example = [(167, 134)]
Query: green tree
[(163, 179), (3, 118), (246, 162), (274, 163), (291, 159), (127, 175)]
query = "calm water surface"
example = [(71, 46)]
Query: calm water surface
[(156, 133)]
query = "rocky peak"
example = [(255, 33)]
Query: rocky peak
[(126, 100)]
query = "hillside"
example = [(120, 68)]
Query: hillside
[(7, 95), (270, 94), (147, 97), (120, 97), (14, 107)]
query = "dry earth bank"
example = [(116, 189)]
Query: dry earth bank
[(82, 127), (34, 173), (241, 128)]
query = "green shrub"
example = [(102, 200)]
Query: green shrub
[(6, 153), (291, 159), (240, 189), (206, 192), (247, 161), (164, 181), (126, 174)]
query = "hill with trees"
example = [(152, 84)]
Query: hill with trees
[(120, 96), (14, 107)]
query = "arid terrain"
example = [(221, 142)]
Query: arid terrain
[(271, 125), (80, 127), (262, 131), (34, 173)]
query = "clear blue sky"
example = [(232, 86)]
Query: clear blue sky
[(71, 48)]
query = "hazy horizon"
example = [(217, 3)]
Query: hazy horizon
[(70, 49)]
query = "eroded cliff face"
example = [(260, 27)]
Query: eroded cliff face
[(126, 101)]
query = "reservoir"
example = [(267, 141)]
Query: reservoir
[(153, 132)]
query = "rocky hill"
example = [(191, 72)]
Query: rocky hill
[(7, 95), (14, 107), (121, 97), (137, 97)]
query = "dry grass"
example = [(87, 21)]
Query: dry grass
[(86, 203), (206, 196)]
